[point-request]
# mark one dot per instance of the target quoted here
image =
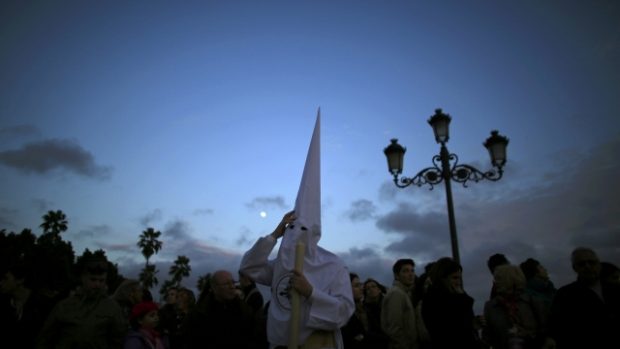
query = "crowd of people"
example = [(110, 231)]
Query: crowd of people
[(426, 311), (524, 310)]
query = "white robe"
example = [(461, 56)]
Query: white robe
[(330, 305), (328, 308)]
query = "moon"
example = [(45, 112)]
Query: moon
[(263, 214)]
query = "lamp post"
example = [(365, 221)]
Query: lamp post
[(446, 167)]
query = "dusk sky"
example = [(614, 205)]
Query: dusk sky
[(194, 117)]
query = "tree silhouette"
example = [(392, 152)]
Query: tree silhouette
[(204, 282), (149, 243), (179, 270), (148, 276), (17, 248), (54, 223), (164, 288), (54, 257)]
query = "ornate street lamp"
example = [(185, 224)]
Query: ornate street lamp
[(446, 167)]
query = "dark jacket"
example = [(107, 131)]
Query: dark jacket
[(581, 319), (253, 297), (23, 330), (355, 332), (217, 324), (449, 319), (376, 337), (81, 322)]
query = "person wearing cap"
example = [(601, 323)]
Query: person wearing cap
[(87, 319), (144, 319)]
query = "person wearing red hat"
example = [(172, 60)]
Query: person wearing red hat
[(144, 318)]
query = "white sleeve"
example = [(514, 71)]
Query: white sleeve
[(331, 309), (255, 261)]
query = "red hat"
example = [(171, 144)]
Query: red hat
[(142, 308)]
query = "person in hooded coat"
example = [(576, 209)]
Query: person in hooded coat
[(324, 285)]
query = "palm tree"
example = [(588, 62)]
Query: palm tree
[(147, 276), (54, 223), (164, 288), (204, 282), (179, 270), (149, 243)]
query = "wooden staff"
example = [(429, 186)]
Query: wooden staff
[(293, 339)]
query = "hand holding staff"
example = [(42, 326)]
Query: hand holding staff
[(298, 283)]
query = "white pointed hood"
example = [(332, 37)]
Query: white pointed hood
[(332, 299), (307, 226)]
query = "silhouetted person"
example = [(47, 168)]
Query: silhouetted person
[(222, 320), (355, 332), (88, 318), (447, 309), (251, 294), (373, 299), (586, 313), (185, 303), (538, 284), (254, 299), (22, 309), (493, 262), (128, 294), (168, 312), (610, 273)]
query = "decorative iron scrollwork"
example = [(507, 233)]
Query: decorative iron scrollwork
[(461, 173)]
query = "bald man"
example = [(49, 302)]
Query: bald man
[(586, 312), (222, 320)]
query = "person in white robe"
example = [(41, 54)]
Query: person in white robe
[(326, 302)]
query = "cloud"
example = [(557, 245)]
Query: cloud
[(406, 219), (6, 215), (18, 132), (265, 202), (177, 230), (43, 157), (203, 211), (151, 217), (125, 248), (42, 205), (244, 237), (367, 262), (361, 210), (98, 231)]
